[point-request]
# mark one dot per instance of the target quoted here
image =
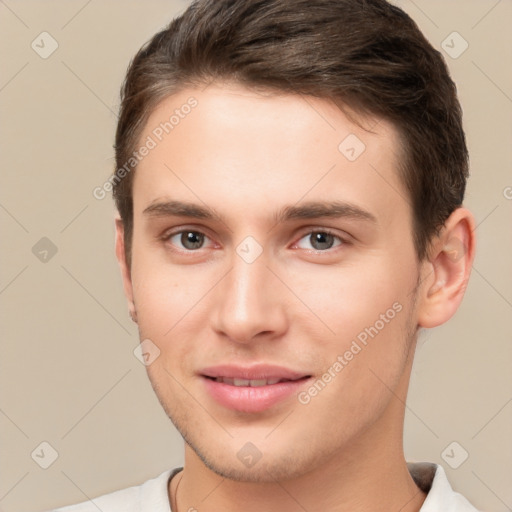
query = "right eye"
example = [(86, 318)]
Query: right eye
[(186, 240)]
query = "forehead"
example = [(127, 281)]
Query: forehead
[(207, 143), (252, 114)]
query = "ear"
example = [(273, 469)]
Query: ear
[(447, 269), (125, 270)]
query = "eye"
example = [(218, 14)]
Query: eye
[(189, 240), (319, 241)]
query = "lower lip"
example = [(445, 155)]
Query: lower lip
[(252, 399)]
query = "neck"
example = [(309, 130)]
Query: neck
[(377, 482)]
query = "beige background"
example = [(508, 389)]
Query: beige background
[(68, 373)]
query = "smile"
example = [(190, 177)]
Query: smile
[(252, 389)]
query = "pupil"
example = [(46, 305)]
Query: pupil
[(321, 241), (191, 240)]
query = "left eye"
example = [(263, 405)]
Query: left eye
[(319, 241)]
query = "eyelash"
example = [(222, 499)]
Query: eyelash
[(342, 241)]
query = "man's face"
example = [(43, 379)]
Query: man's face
[(268, 286)]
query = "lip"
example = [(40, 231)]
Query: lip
[(252, 399), (254, 372)]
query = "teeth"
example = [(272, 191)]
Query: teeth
[(246, 382), (260, 382)]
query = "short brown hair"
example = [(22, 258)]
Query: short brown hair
[(366, 54)]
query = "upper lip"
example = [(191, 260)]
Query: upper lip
[(253, 372)]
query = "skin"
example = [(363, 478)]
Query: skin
[(246, 156)]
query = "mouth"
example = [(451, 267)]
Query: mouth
[(253, 383), (252, 389)]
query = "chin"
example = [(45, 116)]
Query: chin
[(274, 470), (278, 462)]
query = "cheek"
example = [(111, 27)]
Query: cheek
[(172, 305), (163, 292), (369, 312), (349, 299), (165, 301), (362, 372)]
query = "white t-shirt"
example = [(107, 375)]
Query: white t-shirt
[(151, 496)]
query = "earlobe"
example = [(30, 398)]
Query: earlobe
[(125, 270), (449, 267)]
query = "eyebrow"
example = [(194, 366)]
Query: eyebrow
[(332, 209), (181, 209), (308, 210)]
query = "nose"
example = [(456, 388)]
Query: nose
[(249, 303)]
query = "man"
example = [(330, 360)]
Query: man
[(289, 180)]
